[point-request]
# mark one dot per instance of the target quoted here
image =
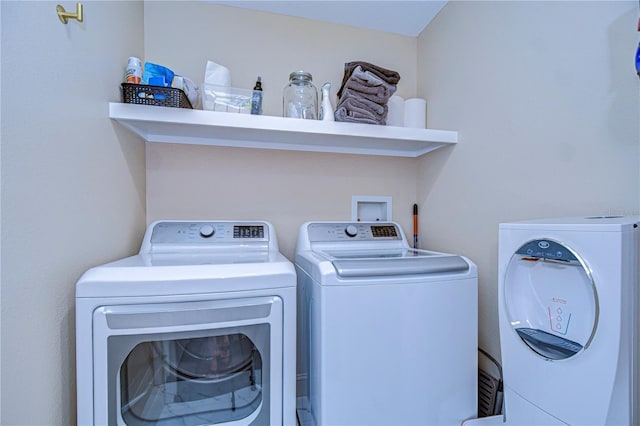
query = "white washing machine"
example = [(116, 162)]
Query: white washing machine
[(198, 328), (387, 334), (568, 314)]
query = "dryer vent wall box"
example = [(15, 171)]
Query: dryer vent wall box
[(371, 208)]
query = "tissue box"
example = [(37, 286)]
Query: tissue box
[(226, 99), (154, 95)]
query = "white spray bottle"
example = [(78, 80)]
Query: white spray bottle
[(326, 109)]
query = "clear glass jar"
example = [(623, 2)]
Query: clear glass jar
[(300, 97)]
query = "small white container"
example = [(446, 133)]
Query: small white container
[(133, 73)]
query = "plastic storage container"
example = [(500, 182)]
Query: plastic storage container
[(300, 97), (226, 99)]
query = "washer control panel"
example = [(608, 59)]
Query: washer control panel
[(353, 231), (185, 233)]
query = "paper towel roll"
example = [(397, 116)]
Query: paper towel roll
[(415, 113), (395, 114)]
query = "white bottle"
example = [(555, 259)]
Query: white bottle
[(326, 109), (134, 70)]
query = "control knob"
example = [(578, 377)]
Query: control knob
[(351, 230), (207, 231)]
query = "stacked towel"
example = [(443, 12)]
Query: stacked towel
[(364, 93)]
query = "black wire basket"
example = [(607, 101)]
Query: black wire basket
[(143, 94)]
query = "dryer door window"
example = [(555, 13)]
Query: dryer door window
[(551, 299), (188, 363), (200, 380)]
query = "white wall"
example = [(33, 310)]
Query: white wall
[(286, 188), (546, 101), (73, 192)]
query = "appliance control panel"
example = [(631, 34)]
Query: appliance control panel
[(353, 231), (186, 233), (547, 249)]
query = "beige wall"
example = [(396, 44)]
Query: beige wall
[(73, 192), (546, 101), (286, 188), (548, 84), (258, 43)]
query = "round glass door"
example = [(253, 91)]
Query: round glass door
[(551, 300)]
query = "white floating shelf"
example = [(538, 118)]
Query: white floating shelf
[(186, 126)]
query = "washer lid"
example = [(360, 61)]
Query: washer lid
[(368, 263), (551, 300)]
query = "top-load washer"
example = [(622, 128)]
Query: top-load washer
[(198, 328), (387, 334), (568, 315)]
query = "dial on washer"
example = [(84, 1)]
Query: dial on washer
[(207, 231), (351, 230)]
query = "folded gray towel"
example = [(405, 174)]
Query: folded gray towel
[(362, 103), (368, 85), (342, 114), (389, 76), (367, 77), (377, 94), (361, 110)]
